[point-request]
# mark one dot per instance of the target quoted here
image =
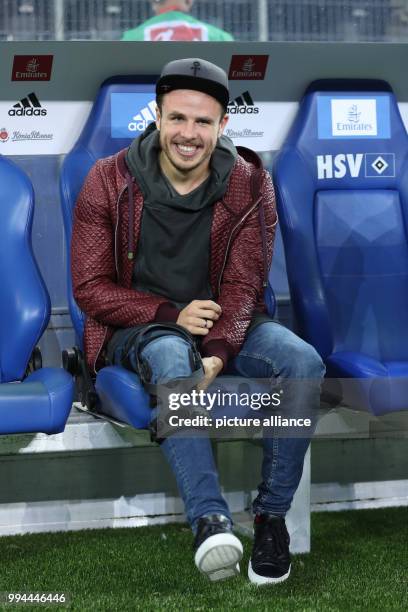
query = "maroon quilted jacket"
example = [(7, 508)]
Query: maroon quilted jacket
[(105, 235)]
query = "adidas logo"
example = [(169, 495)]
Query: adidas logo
[(28, 107), (242, 105), (143, 118)]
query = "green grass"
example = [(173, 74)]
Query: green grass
[(359, 561)]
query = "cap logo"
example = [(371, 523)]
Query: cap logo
[(196, 67)]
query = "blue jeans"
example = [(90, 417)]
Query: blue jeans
[(270, 351)]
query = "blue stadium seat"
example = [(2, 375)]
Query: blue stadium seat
[(32, 398), (123, 108), (342, 187)]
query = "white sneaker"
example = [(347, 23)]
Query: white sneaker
[(218, 550)]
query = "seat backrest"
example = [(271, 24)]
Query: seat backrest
[(25, 303), (342, 190), (123, 108)]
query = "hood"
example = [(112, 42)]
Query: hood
[(140, 162), (250, 156)]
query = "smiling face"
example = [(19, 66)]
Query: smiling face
[(190, 123)]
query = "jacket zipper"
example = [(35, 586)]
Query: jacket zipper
[(229, 241), (116, 229), (116, 268)]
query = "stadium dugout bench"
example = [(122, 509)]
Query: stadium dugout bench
[(86, 433), (111, 126)]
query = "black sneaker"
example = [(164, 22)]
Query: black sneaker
[(270, 558), (217, 551)]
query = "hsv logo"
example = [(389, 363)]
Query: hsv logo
[(32, 68), (379, 164), (248, 67), (176, 30), (28, 107), (350, 165), (242, 105)]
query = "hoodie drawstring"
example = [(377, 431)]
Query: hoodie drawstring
[(129, 180)]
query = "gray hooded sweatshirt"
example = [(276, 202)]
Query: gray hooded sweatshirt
[(172, 258)]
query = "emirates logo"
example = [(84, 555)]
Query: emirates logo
[(33, 65), (32, 68), (248, 65)]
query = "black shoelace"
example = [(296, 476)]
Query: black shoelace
[(272, 541)]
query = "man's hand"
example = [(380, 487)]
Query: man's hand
[(212, 367), (199, 316)]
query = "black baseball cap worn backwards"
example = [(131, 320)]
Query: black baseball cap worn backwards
[(196, 74)]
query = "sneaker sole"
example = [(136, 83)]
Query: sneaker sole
[(218, 556), (260, 580)]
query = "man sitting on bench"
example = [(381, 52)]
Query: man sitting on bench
[(170, 231)]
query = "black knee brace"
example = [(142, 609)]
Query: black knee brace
[(141, 338)]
